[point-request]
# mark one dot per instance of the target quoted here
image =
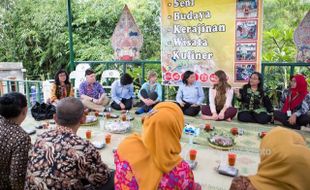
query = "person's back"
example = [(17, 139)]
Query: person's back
[(180, 176), (60, 159), (284, 163), (148, 162), (14, 141)]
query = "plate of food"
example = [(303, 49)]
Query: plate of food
[(109, 115), (99, 145), (118, 127), (30, 131), (221, 141), (90, 120)]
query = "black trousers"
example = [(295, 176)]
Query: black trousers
[(126, 102), (252, 117), (188, 110), (302, 120), (153, 96)]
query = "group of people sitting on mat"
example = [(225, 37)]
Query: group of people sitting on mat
[(255, 105), (60, 159)]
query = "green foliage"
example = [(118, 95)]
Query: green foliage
[(35, 32), (281, 18), (35, 39)]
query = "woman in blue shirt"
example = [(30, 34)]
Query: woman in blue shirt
[(122, 93), (150, 93), (190, 94)]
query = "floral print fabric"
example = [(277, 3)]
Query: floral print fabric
[(181, 177)]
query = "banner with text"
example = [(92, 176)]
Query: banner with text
[(205, 36)]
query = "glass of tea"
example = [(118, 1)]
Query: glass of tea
[(108, 115), (96, 113), (192, 154), (123, 117), (88, 134), (108, 138), (234, 131), (232, 159)]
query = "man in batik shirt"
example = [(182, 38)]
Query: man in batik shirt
[(14, 141), (62, 160)]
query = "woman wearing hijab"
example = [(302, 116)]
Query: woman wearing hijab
[(284, 164), (147, 161), (295, 104)]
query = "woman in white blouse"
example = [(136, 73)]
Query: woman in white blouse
[(220, 100)]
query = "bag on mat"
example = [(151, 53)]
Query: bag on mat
[(42, 111)]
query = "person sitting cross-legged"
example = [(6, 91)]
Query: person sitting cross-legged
[(61, 88), (190, 94), (295, 104), (122, 93), (256, 106), (92, 93), (150, 93), (220, 100), (60, 159)]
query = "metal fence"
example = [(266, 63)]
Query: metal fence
[(123, 64), (33, 89), (291, 66), (108, 64)]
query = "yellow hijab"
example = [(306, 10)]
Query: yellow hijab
[(285, 162), (157, 150)]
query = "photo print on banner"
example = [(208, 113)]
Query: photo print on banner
[(203, 37), (248, 39)]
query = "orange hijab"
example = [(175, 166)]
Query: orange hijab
[(285, 162), (157, 150)]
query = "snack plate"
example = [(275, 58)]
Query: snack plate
[(118, 127), (112, 115), (30, 131), (221, 147), (91, 120), (99, 145), (215, 145)]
